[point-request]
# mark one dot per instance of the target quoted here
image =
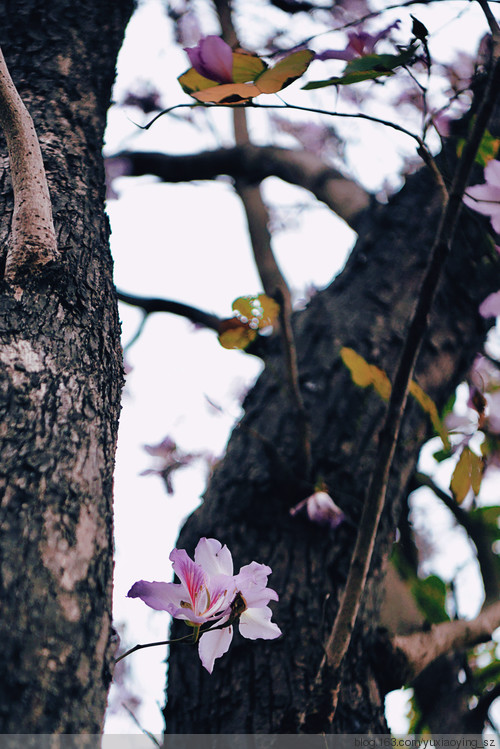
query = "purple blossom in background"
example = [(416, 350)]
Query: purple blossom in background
[(360, 43), (320, 509), (209, 593), (212, 58), (169, 459), (485, 198)]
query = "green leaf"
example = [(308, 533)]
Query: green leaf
[(368, 67), (487, 151), (345, 80), (430, 595)]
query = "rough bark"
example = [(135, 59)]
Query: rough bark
[(261, 687), (60, 382)]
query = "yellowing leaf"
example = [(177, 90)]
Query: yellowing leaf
[(428, 405), (227, 93), (270, 310), (193, 81), (260, 311), (251, 77), (364, 374), (467, 475), (246, 66), (234, 334), (285, 72)]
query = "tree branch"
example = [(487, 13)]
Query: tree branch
[(476, 531), (420, 649), (150, 305), (32, 242), (342, 195), (327, 684)]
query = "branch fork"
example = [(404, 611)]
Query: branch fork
[(32, 243)]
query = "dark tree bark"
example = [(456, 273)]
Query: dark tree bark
[(261, 687), (60, 382)]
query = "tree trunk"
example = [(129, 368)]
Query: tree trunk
[(261, 687), (60, 382)]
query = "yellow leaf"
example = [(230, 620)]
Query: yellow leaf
[(227, 93), (270, 310), (428, 405), (284, 72), (467, 475), (251, 77), (193, 81), (234, 334), (244, 306), (247, 66), (364, 374)]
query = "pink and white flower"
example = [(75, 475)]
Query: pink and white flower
[(209, 594), (485, 198)]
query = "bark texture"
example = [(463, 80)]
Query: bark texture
[(262, 686), (60, 382)]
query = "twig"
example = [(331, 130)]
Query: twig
[(422, 150), (32, 242), (186, 638), (340, 637), (152, 304), (476, 531)]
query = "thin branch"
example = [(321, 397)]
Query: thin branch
[(151, 304), (32, 242), (186, 638), (273, 280), (476, 531), (422, 149), (422, 648), (343, 195), (340, 636)]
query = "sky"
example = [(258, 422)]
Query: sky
[(188, 243)]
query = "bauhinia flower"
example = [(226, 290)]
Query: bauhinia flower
[(485, 198), (360, 43), (320, 509), (211, 599), (213, 59)]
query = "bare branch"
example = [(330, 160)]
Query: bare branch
[(327, 683), (342, 195), (33, 241), (422, 648), (477, 533), (150, 305)]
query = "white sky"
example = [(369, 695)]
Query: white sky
[(188, 243)]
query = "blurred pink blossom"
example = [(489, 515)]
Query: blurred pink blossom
[(485, 198)]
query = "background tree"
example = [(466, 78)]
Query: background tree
[(305, 420)]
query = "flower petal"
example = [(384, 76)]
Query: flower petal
[(189, 573), (213, 557), (491, 305), (213, 645), (160, 596), (256, 624), (212, 58), (492, 173)]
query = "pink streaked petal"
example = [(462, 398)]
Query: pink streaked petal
[(482, 198), (221, 591), (213, 645), (158, 595), (190, 574), (213, 557), (256, 624)]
